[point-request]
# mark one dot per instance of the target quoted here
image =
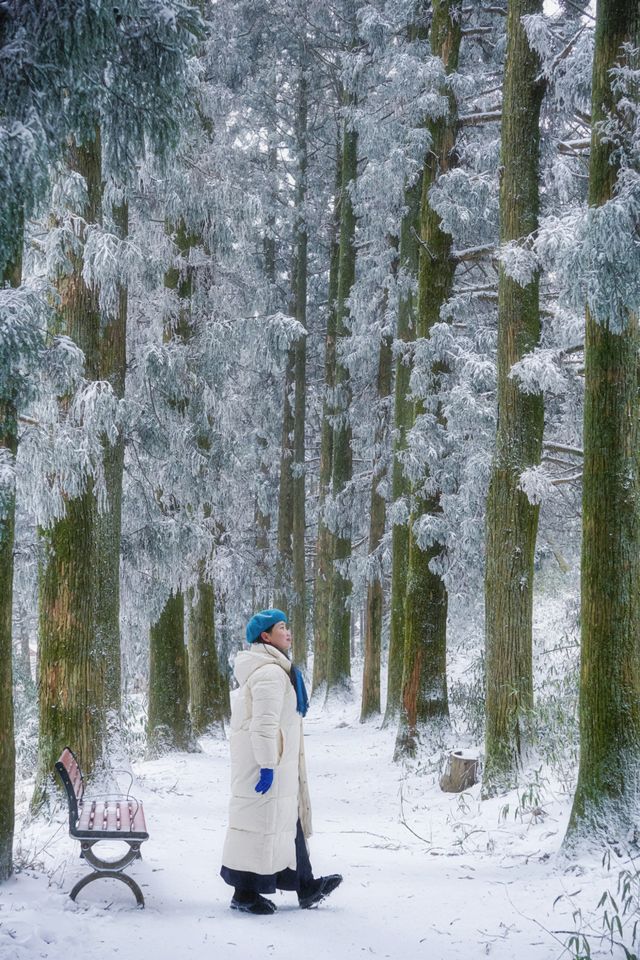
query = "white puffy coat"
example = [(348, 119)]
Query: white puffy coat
[(266, 731)]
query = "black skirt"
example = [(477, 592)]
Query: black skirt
[(287, 879)]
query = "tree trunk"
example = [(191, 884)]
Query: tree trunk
[(322, 580), (262, 598), (424, 707), (291, 507), (512, 521), (206, 680), (605, 803), (112, 368), (9, 446), (284, 567), (403, 417), (169, 724), (339, 660), (377, 520), (71, 676), (299, 613)]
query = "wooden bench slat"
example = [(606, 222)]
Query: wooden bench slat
[(124, 816)]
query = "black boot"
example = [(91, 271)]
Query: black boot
[(318, 889), (249, 902)]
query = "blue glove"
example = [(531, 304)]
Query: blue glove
[(265, 781)]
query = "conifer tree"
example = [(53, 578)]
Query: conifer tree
[(70, 663), (8, 448), (339, 650), (322, 578), (512, 520), (108, 125), (402, 418), (424, 705), (605, 803), (377, 520)]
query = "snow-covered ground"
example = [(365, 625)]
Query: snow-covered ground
[(426, 874)]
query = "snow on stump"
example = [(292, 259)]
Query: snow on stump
[(461, 771)]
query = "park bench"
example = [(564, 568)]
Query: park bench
[(109, 817)]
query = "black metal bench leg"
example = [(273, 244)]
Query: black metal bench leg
[(114, 875), (88, 854)]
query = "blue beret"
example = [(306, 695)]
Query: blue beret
[(263, 621)]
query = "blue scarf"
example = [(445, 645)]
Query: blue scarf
[(297, 682)]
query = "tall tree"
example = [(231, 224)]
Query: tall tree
[(169, 723), (112, 364), (300, 268), (512, 520), (322, 578), (71, 671), (402, 419), (291, 499), (424, 704), (8, 449), (338, 653), (106, 126), (377, 519), (607, 790)]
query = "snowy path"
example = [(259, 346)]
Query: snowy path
[(467, 894)]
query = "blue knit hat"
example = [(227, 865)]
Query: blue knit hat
[(263, 621)]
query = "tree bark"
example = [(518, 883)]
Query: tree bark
[(299, 613), (512, 521), (9, 443), (71, 675), (605, 803), (403, 418), (284, 566), (322, 579), (112, 368), (206, 681), (377, 519), (262, 597), (424, 708), (339, 660), (169, 723), (291, 505)]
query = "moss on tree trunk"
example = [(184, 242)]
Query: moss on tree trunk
[(605, 805), (169, 723), (208, 685), (403, 418), (71, 676), (512, 521)]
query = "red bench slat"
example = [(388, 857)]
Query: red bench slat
[(123, 816)]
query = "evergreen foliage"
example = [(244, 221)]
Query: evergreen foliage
[(285, 293)]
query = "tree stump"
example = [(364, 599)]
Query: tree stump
[(461, 772)]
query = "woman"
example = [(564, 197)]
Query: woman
[(269, 814)]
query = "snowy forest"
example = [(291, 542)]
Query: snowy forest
[(331, 307)]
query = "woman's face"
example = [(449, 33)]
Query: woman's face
[(279, 637)]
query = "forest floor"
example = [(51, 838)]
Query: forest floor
[(426, 874)]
